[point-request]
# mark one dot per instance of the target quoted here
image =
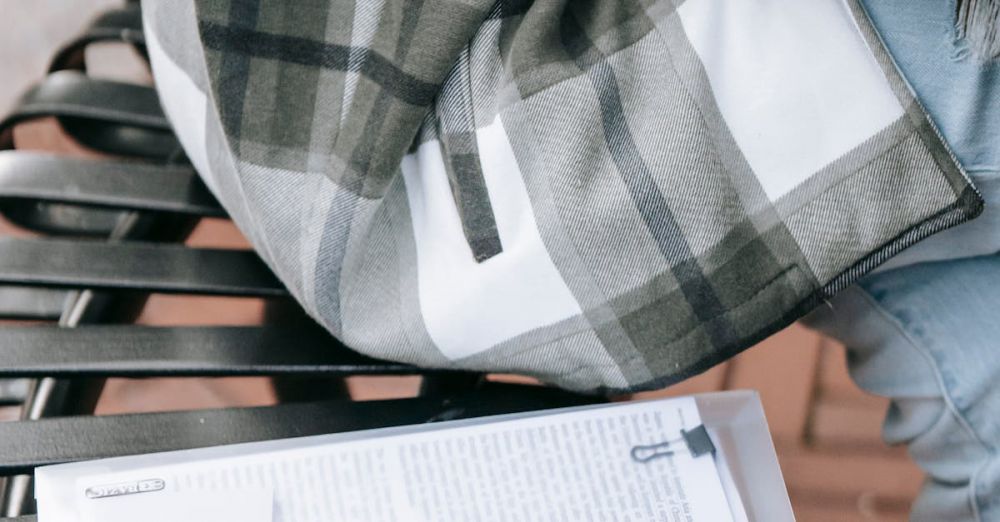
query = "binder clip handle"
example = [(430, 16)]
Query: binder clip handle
[(697, 442), (645, 453)]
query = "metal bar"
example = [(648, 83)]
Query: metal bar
[(137, 351), (43, 395), (74, 94), (115, 117), (123, 24), (65, 439), (122, 185), (48, 395), (135, 266)]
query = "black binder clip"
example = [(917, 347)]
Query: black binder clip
[(696, 441)]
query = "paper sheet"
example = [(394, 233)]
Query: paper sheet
[(573, 465), (237, 505)]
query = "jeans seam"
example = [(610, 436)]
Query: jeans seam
[(945, 394)]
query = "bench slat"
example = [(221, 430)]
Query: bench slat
[(66, 439), (135, 266), (115, 184), (138, 351)]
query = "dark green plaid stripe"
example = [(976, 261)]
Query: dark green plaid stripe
[(240, 41)]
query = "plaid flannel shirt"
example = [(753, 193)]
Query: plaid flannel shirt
[(608, 195)]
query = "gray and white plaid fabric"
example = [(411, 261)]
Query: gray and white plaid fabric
[(608, 195)]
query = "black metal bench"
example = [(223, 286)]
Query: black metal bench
[(120, 226)]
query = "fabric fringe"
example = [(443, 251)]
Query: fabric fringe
[(978, 23)]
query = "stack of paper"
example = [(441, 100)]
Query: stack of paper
[(573, 464)]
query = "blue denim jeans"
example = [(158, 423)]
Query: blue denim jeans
[(926, 331), (927, 337), (962, 96)]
